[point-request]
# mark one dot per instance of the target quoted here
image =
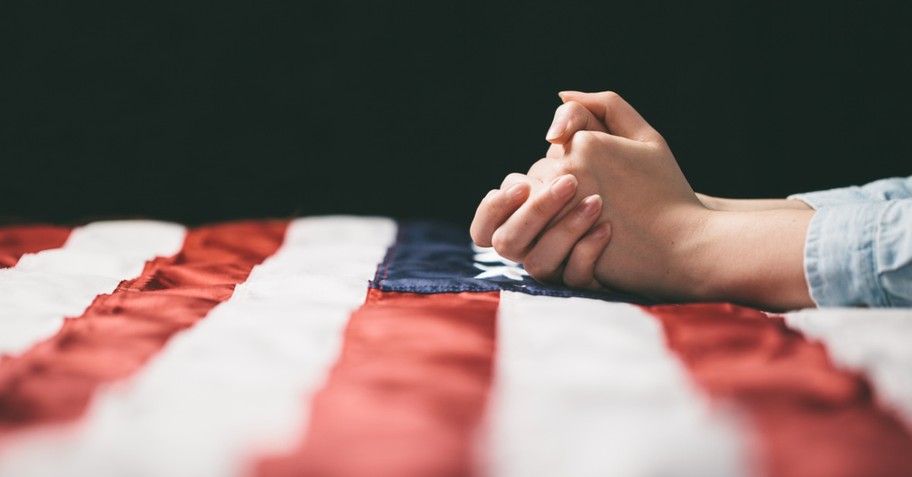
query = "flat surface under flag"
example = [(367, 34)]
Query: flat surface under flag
[(354, 346)]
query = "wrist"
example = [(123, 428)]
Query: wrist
[(753, 257), (683, 258), (710, 202)]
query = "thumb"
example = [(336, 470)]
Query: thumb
[(616, 114), (569, 118)]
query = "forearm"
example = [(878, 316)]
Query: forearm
[(747, 205), (755, 258)]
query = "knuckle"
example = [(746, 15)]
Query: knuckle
[(584, 141), (587, 250), (513, 178), (579, 223), (565, 167), (574, 109), (480, 233), (504, 243), (534, 267), (573, 106), (541, 168), (611, 97), (489, 207), (542, 273), (488, 200), (578, 165), (479, 237), (541, 207)]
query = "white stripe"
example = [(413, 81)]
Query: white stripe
[(45, 287), (877, 342), (236, 385), (589, 388)]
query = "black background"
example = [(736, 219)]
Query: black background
[(200, 112)]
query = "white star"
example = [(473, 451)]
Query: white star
[(500, 266), (513, 273), (488, 255)]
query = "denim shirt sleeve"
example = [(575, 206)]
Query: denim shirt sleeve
[(884, 189), (860, 254)]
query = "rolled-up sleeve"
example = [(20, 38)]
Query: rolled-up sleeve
[(884, 189), (860, 254)]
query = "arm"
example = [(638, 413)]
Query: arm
[(573, 116), (745, 205), (752, 257), (665, 243), (855, 254)]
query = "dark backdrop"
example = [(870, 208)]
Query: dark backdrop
[(201, 112)]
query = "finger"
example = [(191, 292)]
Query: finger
[(616, 114), (569, 118), (579, 271), (587, 146), (514, 178), (514, 238), (545, 260), (494, 210), (546, 170)]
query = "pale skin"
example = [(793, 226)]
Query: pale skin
[(609, 207)]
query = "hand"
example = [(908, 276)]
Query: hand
[(576, 114), (573, 116), (513, 236), (666, 243), (652, 209), (543, 234), (515, 227), (553, 250)]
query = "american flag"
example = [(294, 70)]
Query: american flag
[(353, 346)]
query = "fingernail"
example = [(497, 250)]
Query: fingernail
[(590, 206), (567, 92), (564, 186), (515, 191), (557, 127), (601, 232)]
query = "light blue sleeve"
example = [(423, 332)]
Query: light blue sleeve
[(860, 254), (884, 189)]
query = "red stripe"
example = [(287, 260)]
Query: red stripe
[(55, 379), (20, 240), (407, 391), (810, 417)]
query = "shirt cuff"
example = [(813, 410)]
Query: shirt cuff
[(840, 256)]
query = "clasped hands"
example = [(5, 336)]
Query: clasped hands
[(608, 207)]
